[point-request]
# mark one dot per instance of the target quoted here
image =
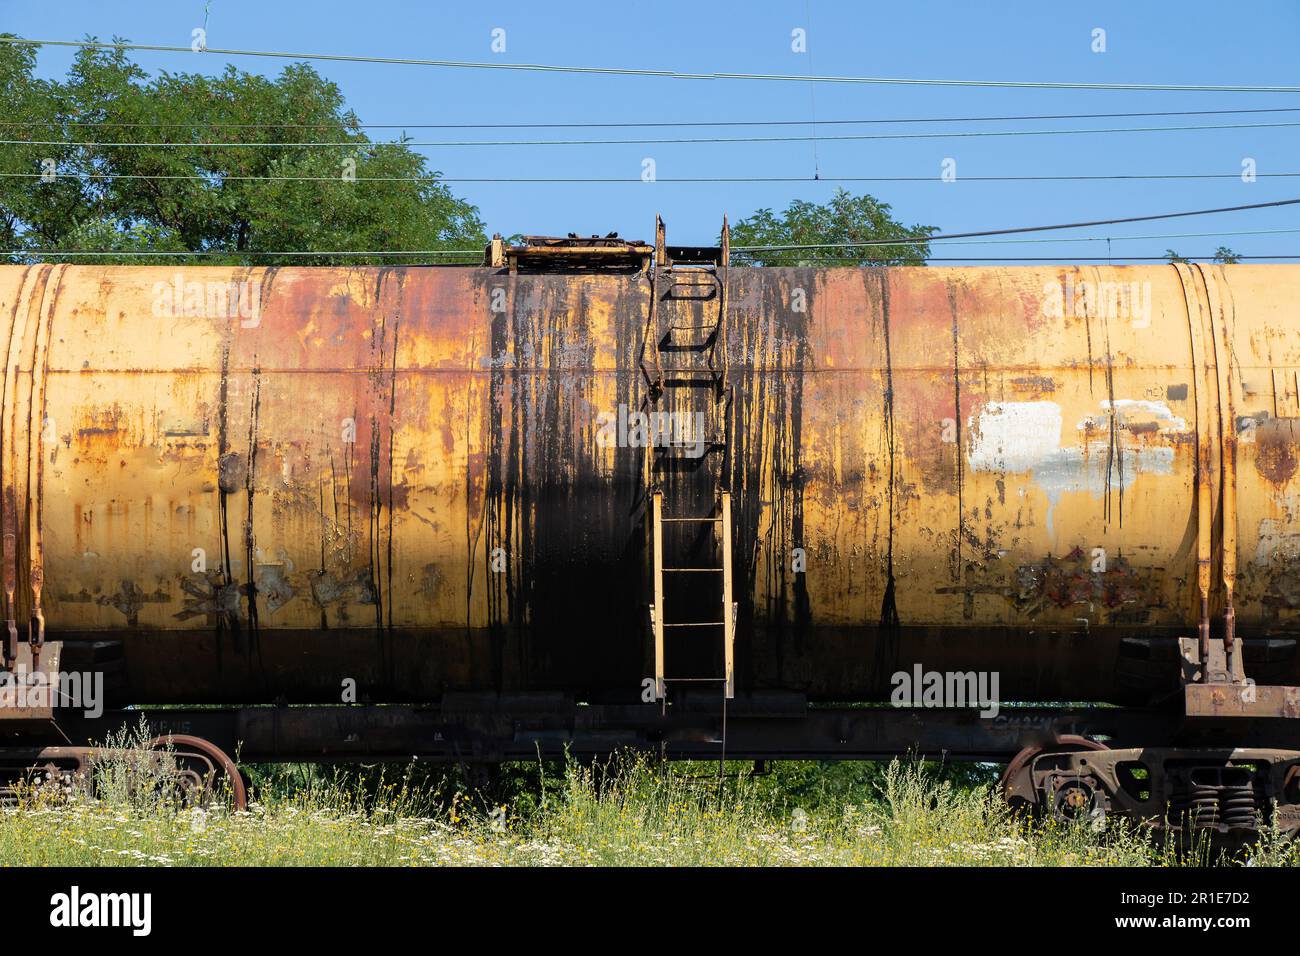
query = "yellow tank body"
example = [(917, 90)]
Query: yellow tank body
[(259, 483)]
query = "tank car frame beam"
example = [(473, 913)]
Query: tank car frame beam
[(489, 729)]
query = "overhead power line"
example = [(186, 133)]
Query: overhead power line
[(1209, 258), (1055, 239), (900, 241), (663, 74), (881, 121), (671, 141), (737, 249), (216, 178), (1040, 240), (1025, 229)]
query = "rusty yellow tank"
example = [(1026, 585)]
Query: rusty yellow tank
[(245, 485)]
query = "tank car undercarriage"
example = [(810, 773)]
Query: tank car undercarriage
[(1219, 764)]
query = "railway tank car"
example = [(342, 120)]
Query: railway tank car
[(618, 473)]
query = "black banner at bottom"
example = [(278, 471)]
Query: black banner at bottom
[(335, 906)]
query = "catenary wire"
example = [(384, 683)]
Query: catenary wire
[(672, 141), (1278, 203), (666, 74), (886, 121), (744, 250), (217, 178), (1023, 229)]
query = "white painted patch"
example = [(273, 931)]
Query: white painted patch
[(1014, 436), (1025, 438), (1130, 411)]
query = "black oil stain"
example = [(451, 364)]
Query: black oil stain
[(225, 620), (889, 620), (770, 356), (956, 412), (1114, 450), (255, 407)]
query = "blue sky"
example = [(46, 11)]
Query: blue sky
[(1192, 42)]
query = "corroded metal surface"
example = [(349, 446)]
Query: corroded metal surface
[(397, 476)]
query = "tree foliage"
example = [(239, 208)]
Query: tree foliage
[(844, 220), (1222, 254), (193, 196)]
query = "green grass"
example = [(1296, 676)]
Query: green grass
[(629, 812)]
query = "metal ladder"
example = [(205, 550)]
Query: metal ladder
[(658, 610), (685, 364)]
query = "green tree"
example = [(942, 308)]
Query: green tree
[(236, 180), (1222, 254), (837, 224)]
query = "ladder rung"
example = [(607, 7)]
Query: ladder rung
[(693, 570), (695, 680), (700, 520), (697, 624)]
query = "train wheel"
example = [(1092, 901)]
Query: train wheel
[(204, 772), (1076, 799)]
